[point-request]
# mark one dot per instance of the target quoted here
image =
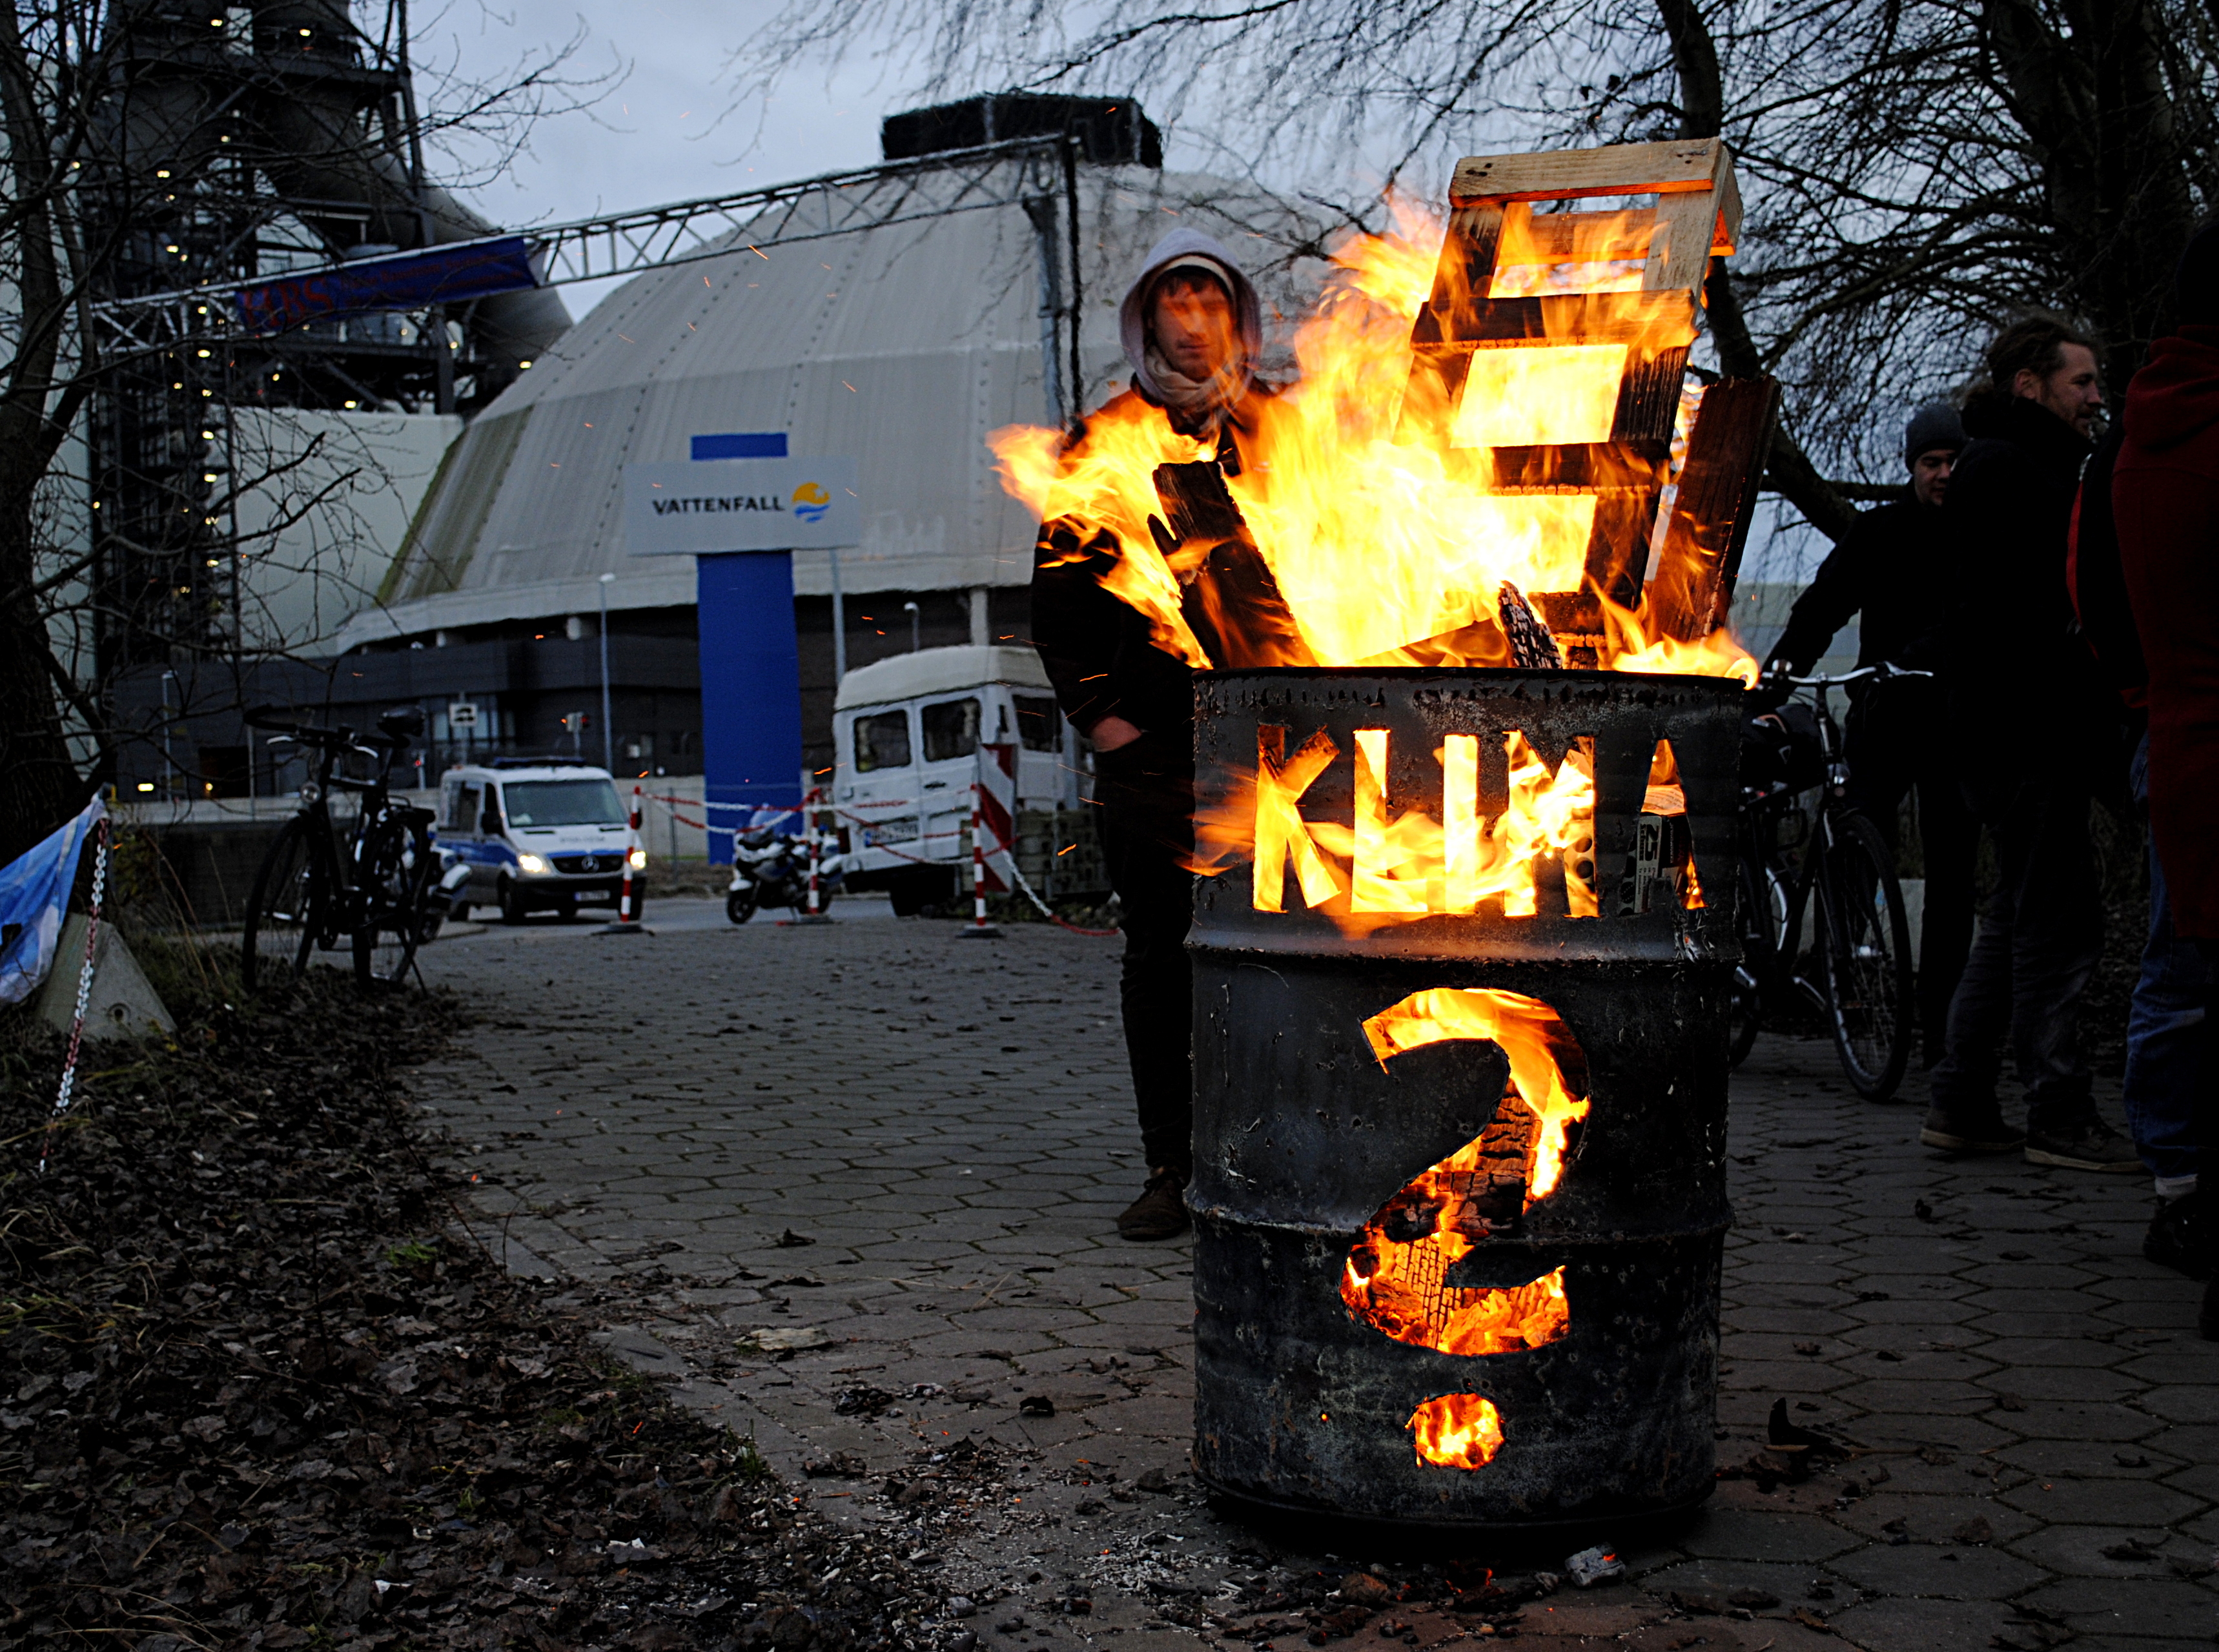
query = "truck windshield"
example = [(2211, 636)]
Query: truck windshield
[(563, 803)]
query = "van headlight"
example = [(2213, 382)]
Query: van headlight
[(531, 864), (638, 857)]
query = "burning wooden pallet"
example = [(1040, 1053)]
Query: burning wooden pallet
[(1625, 288)]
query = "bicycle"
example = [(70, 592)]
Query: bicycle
[(308, 895), (1862, 936)]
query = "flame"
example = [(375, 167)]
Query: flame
[(1379, 516), (1367, 491), (1457, 1431), (1408, 864), (1395, 1277)]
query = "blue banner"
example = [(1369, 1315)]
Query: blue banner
[(34, 891), (406, 281)]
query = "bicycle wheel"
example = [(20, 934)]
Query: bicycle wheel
[(395, 870), (286, 912), (1865, 951)]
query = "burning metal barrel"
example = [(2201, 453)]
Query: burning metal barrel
[(1460, 1072)]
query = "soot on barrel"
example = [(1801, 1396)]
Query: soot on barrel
[(1461, 981)]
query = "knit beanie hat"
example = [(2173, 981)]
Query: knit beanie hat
[(1935, 425)]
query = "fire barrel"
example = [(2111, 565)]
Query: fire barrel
[(1461, 996)]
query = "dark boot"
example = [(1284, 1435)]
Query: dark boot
[(1978, 1128), (2080, 1142), (1160, 1211), (2179, 1237)]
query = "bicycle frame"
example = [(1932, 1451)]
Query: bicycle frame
[(1846, 887), (343, 912), (1831, 803)]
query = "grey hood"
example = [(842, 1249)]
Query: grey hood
[(1132, 321)]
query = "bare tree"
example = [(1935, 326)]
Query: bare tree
[(1916, 171), (150, 150)]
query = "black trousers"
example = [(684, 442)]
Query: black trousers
[(2039, 943), (1896, 741), (1146, 791)]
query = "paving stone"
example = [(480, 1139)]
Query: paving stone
[(1923, 1625), (2129, 1605)]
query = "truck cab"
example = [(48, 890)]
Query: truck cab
[(907, 733), (537, 835)]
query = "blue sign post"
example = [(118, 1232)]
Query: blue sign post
[(750, 663)]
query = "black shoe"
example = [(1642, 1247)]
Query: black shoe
[(2083, 1144), (1978, 1129), (1160, 1213), (2179, 1238)]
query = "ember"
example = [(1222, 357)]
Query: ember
[(1458, 1431), (1396, 1278)]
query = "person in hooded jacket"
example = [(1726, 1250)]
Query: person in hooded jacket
[(2165, 501), (1192, 330), (2033, 725), (1897, 737)]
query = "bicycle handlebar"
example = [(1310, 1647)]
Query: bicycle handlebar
[(338, 739), (1881, 672)]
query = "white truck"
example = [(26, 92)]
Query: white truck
[(906, 732)]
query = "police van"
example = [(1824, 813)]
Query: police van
[(907, 733), (537, 836)]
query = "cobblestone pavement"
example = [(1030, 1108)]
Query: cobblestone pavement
[(898, 1154)]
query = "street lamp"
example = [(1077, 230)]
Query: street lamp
[(608, 734), (909, 608), (169, 764)]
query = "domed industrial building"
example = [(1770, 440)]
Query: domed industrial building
[(903, 344)]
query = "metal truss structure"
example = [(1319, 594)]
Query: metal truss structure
[(1031, 172)]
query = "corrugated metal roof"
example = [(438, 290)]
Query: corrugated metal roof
[(904, 346)]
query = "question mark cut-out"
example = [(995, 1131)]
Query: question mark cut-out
[(1396, 1278)]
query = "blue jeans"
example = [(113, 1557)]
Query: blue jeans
[(2166, 1035)]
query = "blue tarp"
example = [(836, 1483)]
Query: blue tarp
[(407, 281), (34, 892)]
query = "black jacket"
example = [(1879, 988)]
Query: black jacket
[(1096, 649), (1886, 568), (2022, 682)]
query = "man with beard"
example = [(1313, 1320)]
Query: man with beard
[(2033, 723)]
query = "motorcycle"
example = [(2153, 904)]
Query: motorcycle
[(771, 868)]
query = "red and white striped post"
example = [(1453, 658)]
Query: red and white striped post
[(627, 920), (978, 929), (811, 825)]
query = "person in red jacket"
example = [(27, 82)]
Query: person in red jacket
[(2165, 497)]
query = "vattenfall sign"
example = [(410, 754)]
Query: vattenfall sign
[(700, 507)]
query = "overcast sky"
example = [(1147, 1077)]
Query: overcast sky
[(667, 130)]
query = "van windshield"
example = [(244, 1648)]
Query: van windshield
[(563, 803)]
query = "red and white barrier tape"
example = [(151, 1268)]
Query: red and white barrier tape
[(900, 854), (83, 991)]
